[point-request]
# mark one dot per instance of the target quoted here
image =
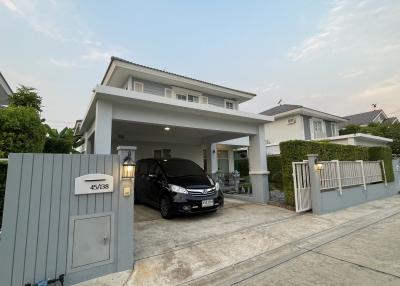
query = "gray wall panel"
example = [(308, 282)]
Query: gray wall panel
[(39, 202)]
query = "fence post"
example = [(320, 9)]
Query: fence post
[(339, 178), (363, 174), (384, 172), (315, 182)]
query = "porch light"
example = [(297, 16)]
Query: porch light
[(167, 128), (128, 167), (318, 165)]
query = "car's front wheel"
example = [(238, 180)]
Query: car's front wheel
[(165, 208)]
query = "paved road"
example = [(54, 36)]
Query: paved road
[(250, 244)]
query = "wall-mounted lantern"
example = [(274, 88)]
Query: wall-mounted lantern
[(318, 165), (128, 167)]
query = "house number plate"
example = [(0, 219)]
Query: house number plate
[(93, 184)]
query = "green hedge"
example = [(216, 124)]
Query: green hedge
[(3, 176), (297, 150), (385, 154), (57, 145), (274, 165)]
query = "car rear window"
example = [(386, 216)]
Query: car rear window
[(181, 168)]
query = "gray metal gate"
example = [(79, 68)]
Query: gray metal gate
[(48, 230), (302, 186)]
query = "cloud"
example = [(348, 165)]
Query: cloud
[(353, 27), (267, 88), (11, 6), (351, 74), (63, 63), (98, 54), (385, 93)]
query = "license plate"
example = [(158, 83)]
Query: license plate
[(207, 203)]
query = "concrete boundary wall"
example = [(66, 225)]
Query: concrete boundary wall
[(39, 206), (331, 200)]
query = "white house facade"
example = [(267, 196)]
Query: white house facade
[(168, 115), (5, 91), (296, 122)]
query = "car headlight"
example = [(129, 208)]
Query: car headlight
[(177, 189), (217, 186)]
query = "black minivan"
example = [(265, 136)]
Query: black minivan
[(176, 186)]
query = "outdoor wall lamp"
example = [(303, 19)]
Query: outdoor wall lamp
[(318, 165), (128, 167)]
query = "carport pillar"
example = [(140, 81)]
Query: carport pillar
[(125, 213), (103, 125), (315, 184), (212, 160), (258, 166)]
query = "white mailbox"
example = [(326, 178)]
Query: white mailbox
[(93, 184)]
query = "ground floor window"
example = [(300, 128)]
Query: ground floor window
[(223, 161)]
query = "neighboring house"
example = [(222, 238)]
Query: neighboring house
[(5, 91), (168, 115), (296, 122), (365, 118), (302, 123)]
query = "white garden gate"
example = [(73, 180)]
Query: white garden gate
[(302, 186)]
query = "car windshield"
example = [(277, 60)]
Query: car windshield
[(181, 168)]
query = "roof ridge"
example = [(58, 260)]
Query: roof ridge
[(175, 74)]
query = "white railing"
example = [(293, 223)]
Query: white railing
[(339, 174)]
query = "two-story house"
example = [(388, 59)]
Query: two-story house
[(169, 115), (365, 118), (296, 122), (5, 91)]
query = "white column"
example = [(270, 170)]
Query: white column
[(258, 166), (212, 162), (103, 125)]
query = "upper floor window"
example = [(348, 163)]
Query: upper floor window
[(317, 129), (229, 104), (181, 97), (335, 131), (193, 98), (138, 86)]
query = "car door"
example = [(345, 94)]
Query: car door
[(141, 182), (155, 180)]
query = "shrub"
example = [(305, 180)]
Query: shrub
[(297, 151), (274, 164), (57, 145), (385, 154), (21, 130)]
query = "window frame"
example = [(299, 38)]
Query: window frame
[(226, 101), (323, 128), (138, 82)]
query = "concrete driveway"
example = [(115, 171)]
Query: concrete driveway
[(250, 244)]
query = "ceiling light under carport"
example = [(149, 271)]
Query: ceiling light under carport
[(167, 128)]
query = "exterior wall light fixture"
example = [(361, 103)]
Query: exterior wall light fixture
[(128, 167), (318, 165)]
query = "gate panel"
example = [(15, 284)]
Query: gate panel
[(40, 203), (302, 186)]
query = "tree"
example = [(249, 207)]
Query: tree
[(61, 142), (21, 130), (27, 97)]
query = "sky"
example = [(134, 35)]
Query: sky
[(339, 57)]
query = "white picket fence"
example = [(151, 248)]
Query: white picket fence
[(335, 175), (339, 174)]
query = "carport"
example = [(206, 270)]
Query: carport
[(118, 117)]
